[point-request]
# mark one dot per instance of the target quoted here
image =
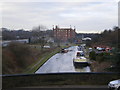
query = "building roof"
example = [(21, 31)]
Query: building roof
[(65, 29), (69, 28)]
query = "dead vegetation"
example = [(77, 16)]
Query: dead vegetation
[(100, 67), (17, 57)]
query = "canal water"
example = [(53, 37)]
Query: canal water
[(62, 63)]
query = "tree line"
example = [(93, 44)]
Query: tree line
[(109, 37), (37, 31)]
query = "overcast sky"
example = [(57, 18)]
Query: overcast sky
[(88, 16)]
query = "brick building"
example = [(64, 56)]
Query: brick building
[(63, 34)]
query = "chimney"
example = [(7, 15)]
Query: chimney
[(56, 27)]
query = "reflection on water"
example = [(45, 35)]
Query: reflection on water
[(83, 69)]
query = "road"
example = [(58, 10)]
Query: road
[(62, 62)]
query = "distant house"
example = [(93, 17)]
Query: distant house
[(63, 34)]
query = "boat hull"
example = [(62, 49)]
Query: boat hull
[(81, 64)]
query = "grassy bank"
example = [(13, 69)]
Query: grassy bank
[(41, 60), (16, 57)]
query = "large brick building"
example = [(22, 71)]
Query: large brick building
[(63, 34)]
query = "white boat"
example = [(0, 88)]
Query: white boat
[(80, 62)]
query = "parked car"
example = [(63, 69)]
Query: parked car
[(64, 51), (114, 85)]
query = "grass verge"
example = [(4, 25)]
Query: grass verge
[(34, 67)]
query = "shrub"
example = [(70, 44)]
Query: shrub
[(100, 57), (92, 55), (104, 56)]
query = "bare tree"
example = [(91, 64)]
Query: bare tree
[(39, 32)]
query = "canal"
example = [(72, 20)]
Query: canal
[(62, 63)]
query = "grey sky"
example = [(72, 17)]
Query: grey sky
[(86, 16)]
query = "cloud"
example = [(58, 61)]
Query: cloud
[(59, 1), (86, 16)]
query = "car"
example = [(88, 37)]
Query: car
[(114, 85), (99, 48), (64, 51)]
